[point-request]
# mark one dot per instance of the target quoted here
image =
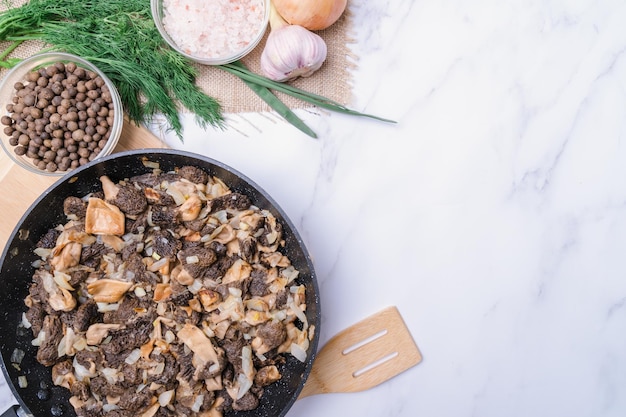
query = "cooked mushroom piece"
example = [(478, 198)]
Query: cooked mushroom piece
[(98, 331), (103, 218), (199, 343), (190, 209), (67, 257), (108, 290), (193, 174), (62, 300)]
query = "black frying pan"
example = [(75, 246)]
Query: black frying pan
[(40, 398)]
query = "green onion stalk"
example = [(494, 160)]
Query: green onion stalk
[(120, 38)]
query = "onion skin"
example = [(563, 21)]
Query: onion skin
[(311, 14)]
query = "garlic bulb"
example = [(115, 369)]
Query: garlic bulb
[(291, 51)]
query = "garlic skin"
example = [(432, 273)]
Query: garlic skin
[(292, 51)]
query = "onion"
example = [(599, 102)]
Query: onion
[(298, 352), (290, 273), (246, 362), (110, 374), (299, 313), (195, 287), (311, 14), (166, 397), (110, 407), (140, 292), (159, 264), (22, 382), (150, 164), (158, 369), (133, 357), (61, 347), (80, 344), (192, 259), (170, 337), (176, 194), (41, 336), (221, 215), (42, 252), (245, 384), (197, 403), (25, 321), (235, 292), (17, 356), (106, 307)]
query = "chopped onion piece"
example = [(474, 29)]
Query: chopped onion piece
[(299, 313), (235, 292), (43, 253), (178, 196), (221, 215), (140, 292), (279, 315), (39, 339), (106, 307), (159, 368), (110, 374), (192, 259), (17, 356), (290, 273), (160, 263), (80, 343), (133, 356), (170, 337), (61, 349), (149, 219), (246, 362), (244, 385), (150, 164), (195, 287), (197, 403), (110, 407), (22, 382), (298, 352), (166, 397), (25, 321)]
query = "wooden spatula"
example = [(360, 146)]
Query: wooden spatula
[(363, 355)]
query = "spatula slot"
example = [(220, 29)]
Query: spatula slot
[(374, 364), (364, 342)]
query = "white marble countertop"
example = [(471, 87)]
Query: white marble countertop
[(493, 214)]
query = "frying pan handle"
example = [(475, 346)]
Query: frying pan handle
[(11, 411)]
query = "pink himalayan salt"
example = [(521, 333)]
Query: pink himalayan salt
[(213, 29)]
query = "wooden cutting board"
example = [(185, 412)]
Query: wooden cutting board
[(19, 188)]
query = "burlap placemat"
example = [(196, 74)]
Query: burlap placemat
[(333, 80)]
